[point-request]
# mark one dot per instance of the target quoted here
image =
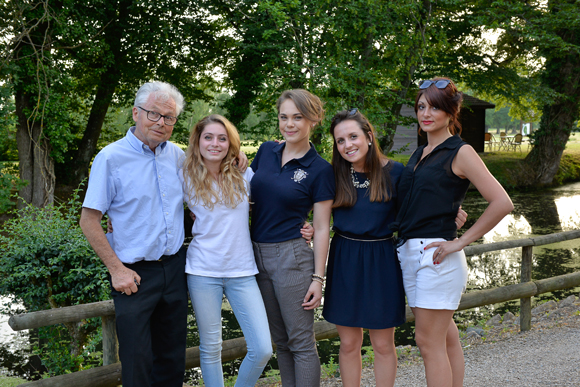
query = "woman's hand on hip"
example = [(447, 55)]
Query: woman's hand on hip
[(313, 297), (443, 249)]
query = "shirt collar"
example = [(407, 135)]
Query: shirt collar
[(305, 160), (138, 145), (450, 143)]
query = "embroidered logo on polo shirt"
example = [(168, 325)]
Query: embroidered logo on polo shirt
[(299, 175)]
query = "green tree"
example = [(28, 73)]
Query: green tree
[(535, 65), (66, 75), (358, 53), (48, 263)]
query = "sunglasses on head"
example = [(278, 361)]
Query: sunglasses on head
[(440, 84), (352, 112)]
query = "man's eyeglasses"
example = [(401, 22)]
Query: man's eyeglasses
[(440, 84), (154, 116)]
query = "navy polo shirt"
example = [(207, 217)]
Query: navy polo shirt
[(283, 196)]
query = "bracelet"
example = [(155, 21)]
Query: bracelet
[(318, 276), (318, 280)]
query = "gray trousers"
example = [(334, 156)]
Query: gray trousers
[(285, 274)]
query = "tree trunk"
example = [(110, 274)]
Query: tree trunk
[(79, 169), (36, 165), (562, 74)]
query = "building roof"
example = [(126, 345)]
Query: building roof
[(469, 101)]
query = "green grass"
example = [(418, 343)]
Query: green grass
[(10, 382)]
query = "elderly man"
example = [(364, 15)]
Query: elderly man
[(135, 181)]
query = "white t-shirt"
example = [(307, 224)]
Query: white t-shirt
[(221, 245)]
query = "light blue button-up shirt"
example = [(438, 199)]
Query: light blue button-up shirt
[(142, 194)]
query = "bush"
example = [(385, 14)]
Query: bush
[(47, 263), (8, 181)]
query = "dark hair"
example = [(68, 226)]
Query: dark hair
[(448, 99), (307, 103), (346, 195)]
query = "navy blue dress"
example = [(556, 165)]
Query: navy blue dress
[(364, 286)]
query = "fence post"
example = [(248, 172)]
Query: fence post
[(526, 276), (110, 343)]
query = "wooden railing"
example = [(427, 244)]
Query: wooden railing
[(110, 373)]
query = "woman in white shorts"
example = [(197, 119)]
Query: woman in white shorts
[(431, 189)]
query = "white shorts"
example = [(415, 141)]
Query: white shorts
[(427, 285)]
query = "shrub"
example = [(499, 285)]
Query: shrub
[(8, 181), (47, 263)]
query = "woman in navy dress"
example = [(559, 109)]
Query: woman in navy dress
[(364, 283)]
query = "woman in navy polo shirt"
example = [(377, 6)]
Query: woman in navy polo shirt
[(431, 189), (290, 180)]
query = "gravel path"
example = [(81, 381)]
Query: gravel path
[(547, 355), (499, 355)]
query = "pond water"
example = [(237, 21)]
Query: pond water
[(536, 213)]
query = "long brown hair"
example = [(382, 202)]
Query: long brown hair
[(346, 195), (448, 99), (200, 181)]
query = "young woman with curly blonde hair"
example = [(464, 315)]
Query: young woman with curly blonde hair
[(220, 258)]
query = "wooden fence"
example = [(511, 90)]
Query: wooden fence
[(110, 373)]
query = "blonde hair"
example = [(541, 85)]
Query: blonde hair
[(197, 178)]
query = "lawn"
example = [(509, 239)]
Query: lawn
[(10, 382)]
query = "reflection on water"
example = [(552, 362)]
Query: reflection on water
[(14, 346), (535, 214)]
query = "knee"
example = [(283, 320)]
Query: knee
[(384, 349), (211, 350), (260, 350), (350, 344), (423, 341), (261, 355), (452, 339)]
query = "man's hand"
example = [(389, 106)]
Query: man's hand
[(125, 280)]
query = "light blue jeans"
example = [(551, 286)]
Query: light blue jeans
[(246, 301)]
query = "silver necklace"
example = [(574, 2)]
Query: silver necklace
[(355, 180)]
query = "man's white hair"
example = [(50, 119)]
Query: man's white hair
[(163, 91)]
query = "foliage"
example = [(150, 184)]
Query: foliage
[(54, 348), (8, 183), (7, 126), (48, 263), (569, 168), (330, 370), (534, 65), (65, 76), (500, 119), (357, 53)]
